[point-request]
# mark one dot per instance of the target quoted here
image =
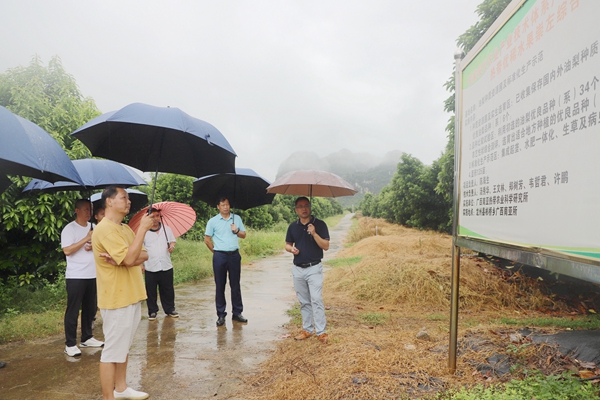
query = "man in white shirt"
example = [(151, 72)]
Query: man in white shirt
[(159, 242), (76, 243)]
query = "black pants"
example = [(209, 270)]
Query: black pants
[(224, 264), (81, 293), (164, 281)]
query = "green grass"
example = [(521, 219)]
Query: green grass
[(373, 318), (344, 262), (578, 322), (31, 326), (438, 317), (535, 386), (294, 313)]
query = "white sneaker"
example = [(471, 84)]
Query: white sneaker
[(130, 393), (72, 351), (91, 342)]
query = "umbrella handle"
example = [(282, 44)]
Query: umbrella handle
[(165, 231)]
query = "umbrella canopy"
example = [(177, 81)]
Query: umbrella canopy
[(95, 174), (312, 183), (138, 200), (157, 139), (177, 216), (28, 150), (244, 189)]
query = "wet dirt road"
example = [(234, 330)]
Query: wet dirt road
[(183, 358)]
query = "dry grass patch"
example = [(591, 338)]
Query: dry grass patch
[(377, 307)]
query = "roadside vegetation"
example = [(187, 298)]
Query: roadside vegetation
[(388, 298)]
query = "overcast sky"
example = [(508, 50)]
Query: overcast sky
[(273, 76)]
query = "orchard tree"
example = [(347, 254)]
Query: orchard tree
[(31, 224)]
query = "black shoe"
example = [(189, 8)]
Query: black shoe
[(221, 321), (2, 364), (239, 318)]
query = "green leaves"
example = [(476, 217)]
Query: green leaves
[(31, 224)]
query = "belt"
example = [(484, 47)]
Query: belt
[(227, 252), (306, 265)]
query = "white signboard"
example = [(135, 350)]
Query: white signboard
[(529, 171)]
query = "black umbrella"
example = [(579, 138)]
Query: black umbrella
[(244, 189), (95, 174), (28, 150), (157, 139)]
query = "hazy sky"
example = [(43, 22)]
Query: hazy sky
[(273, 76)]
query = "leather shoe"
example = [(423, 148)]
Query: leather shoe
[(239, 318), (221, 321)]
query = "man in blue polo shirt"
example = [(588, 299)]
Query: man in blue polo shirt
[(306, 239), (221, 237)]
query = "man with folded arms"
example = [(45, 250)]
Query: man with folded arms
[(80, 277), (221, 237), (119, 256), (306, 239)]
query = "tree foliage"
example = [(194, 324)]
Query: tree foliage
[(31, 224)]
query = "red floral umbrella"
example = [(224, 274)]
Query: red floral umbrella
[(177, 216)]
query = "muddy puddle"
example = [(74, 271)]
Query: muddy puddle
[(183, 358)]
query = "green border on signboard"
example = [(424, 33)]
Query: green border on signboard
[(494, 44)]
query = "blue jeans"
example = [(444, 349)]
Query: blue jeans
[(228, 264), (308, 283)]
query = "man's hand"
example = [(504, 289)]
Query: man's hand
[(88, 244), (295, 250), (171, 247), (311, 229), (107, 258), (146, 223)]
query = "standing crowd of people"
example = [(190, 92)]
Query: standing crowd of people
[(106, 264)]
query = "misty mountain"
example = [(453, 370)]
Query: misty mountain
[(366, 172)]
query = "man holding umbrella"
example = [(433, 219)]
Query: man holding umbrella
[(221, 237), (306, 239), (159, 242), (119, 255), (80, 275)]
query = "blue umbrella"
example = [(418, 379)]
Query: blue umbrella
[(244, 189), (138, 200), (95, 174), (28, 150), (157, 139)]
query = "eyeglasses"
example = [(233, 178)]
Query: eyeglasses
[(303, 206)]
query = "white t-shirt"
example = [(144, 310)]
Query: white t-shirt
[(80, 265), (159, 258)]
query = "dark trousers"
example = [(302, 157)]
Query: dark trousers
[(164, 281), (224, 264), (81, 293)]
